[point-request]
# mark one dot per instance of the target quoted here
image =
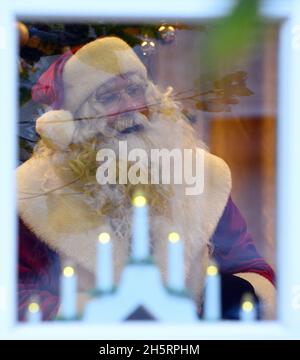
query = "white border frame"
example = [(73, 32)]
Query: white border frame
[(288, 194)]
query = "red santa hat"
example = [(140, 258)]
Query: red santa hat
[(69, 81)]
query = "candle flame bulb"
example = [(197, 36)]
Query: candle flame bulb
[(104, 238), (68, 271), (247, 306), (33, 307), (212, 270), (173, 237), (139, 201)]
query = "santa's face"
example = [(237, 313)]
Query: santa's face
[(119, 104), (121, 95)]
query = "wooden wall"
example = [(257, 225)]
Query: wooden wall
[(248, 147), (246, 137)]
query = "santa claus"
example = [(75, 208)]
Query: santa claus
[(100, 96)]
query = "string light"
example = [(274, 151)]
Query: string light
[(167, 33), (148, 47)]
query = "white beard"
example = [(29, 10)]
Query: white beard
[(182, 212)]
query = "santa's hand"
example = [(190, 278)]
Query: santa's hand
[(56, 128)]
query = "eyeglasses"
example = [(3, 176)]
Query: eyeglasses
[(112, 98)]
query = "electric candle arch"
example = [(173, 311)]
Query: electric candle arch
[(171, 305)]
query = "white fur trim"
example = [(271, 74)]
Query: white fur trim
[(66, 225), (57, 128)]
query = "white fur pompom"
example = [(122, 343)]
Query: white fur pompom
[(56, 127)]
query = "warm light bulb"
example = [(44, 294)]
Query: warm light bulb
[(104, 238), (68, 271), (33, 307), (247, 306), (212, 270), (173, 237), (139, 201), (162, 28)]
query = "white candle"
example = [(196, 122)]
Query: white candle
[(68, 293), (33, 314), (175, 262), (140, 229), (104, 272), (248, 310), (212, 294)]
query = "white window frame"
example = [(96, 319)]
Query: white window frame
[(288, 175)]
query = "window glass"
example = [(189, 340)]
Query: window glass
[(146, 178)]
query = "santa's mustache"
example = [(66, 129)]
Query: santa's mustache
[(117, 126), (129, 122)]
